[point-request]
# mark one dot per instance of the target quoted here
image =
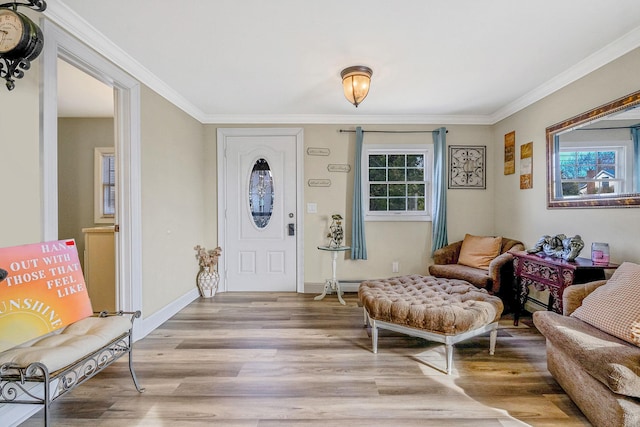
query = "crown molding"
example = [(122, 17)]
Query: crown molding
[(607, 54), (78, 27), (343, 119)]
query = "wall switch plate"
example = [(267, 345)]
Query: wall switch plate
[(395, 266), (312, 208)]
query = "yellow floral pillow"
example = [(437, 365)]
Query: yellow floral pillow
[(478, 251)]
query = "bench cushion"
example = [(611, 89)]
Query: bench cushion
[(440, 305), (76, 341)]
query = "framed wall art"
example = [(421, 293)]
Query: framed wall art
[(526, 166), (467, 166), (510, 153)]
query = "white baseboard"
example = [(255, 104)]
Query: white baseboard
[(148, 324), (537, 300), (15, 414), (346, 285)]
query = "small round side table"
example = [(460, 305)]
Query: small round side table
[(332, 283)]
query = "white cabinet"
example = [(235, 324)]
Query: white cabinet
[(100, 267)]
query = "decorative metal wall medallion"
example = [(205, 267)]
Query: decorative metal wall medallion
[(319, 183), (339, 168), (314, 151), (467, 166)]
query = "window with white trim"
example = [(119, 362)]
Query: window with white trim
[(104, 185), (396, 182), (596, 168)]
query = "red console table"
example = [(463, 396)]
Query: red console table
[(553, 274)]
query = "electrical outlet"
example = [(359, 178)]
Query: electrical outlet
[(395, 266)]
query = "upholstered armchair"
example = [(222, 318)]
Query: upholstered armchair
[(487, 264)]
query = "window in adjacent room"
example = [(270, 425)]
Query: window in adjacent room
[(105, 185), (396, 182)]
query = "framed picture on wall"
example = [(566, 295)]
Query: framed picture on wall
[(467, 167), (510, 153), (526, 166)]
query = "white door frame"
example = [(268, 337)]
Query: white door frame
[(127, 97), (222, 135)]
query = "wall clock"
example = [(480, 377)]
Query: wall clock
[(21, 40)]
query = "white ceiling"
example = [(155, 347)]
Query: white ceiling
[(279, 61)]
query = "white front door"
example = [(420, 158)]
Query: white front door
[(260, 196)]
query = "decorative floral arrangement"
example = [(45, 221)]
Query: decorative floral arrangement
[(207, 258)]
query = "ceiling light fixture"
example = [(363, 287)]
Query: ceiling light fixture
[(355, 83)]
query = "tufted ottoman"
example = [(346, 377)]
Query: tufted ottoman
[(436, 309)]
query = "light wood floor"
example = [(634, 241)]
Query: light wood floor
[(276, 359)]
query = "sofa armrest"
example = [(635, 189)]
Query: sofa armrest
[(495, 270), (511, 245), (447, 254), (573, 295)]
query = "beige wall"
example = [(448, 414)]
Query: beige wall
[(179, 187), (172, 187), (523, 213), (408, 243), (173, 194), (77, 139), (210, 195), (20, 179)]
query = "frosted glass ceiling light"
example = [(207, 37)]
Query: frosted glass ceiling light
[(355, 83)]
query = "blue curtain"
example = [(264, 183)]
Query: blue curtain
[(358, 241), (439, 221), (635, 137)]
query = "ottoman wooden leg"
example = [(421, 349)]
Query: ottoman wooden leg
[(492, 340), (449, 356), (374, 336)]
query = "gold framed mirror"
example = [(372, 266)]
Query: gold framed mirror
[(593, 159)]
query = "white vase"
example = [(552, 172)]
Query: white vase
[(207, 281)]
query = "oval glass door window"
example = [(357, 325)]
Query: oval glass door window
[(261, 193)]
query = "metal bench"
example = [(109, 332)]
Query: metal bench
[(41, 371)]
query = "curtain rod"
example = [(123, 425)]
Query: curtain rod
[(388, 131)]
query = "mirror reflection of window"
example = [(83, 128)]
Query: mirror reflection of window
[(595, 157), (594, 170), (598, 158)]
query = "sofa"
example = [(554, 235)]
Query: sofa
[(592, 348), (489, 264)]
